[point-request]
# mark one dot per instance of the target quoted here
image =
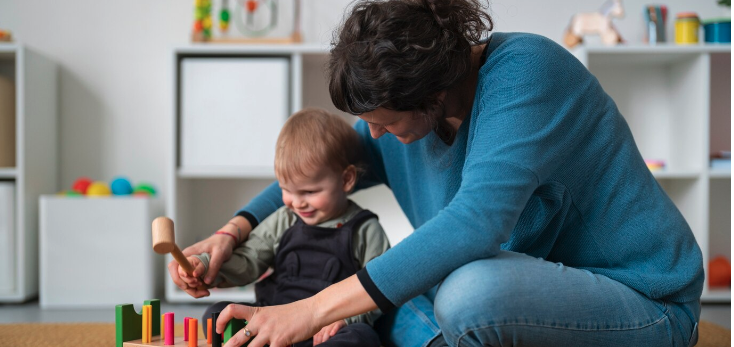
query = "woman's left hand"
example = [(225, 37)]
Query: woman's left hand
[(277, 326), (328, 332)]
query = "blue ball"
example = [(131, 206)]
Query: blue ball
[(121, 186)]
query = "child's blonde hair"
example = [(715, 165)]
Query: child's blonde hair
[(312, 138)]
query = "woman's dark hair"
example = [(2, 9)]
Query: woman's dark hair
[(400, 54)]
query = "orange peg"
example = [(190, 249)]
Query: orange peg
[(193, 332)]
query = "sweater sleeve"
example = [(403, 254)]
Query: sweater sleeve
[(519, 132), (373, 173), (369, 241), (251, 259)]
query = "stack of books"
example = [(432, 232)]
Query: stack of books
[(721, 160)]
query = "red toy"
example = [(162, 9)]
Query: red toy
[(81, 185), (719, 272)]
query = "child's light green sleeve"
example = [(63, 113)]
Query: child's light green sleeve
[(252, 258), (369, 241)]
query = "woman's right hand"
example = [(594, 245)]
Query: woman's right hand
[(220, 249)]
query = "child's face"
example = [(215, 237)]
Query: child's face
[(320, 197)]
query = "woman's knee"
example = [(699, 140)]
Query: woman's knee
[(480, 293)]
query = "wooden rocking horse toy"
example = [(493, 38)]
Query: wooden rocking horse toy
[(595, 23)]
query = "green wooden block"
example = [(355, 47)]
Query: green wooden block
[(234, 326), (129, 323)]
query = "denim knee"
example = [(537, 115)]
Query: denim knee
[(461, 305)]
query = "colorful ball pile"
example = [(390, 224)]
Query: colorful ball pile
[(119, 186)]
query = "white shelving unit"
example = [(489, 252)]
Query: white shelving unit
[(32, 79), (202, 198), (677, 101), (664, 91)]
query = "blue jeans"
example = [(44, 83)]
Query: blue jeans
[(514, 299)]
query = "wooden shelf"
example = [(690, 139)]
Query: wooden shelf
[(673, 174), (716, 295), (720, 173), (8, 173), (226, 172)]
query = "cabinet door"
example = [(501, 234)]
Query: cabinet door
[(231, 111), (7, 238)]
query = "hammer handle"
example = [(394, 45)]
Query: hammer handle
[(181, 260)]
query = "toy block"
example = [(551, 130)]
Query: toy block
[(168, 328), (146, 323), (186, 328), (233, 327), (193, 332), (209, 331), (177, 342), (216, 338), (129, 324)]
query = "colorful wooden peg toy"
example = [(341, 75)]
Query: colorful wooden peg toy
[(133, 329)]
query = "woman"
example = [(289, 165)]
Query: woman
[(536, 220)]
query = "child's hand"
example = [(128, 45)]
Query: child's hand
[(328, 331), (192, 281)]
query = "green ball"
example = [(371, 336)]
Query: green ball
[(224, 16), (72, 193), (144, 187), (200, 13)]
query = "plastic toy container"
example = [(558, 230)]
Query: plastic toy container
[(686, 28), (717, 30)]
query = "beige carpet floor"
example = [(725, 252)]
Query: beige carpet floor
[(103, 335)]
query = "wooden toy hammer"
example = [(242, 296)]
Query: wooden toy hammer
[(164, 242)]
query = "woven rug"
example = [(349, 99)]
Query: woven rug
[(103, 335), (64, 335)]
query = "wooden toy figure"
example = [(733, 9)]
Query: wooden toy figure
[(595, 23), (202, 20), (224, 17)]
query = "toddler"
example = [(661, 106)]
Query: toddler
[(318, 238)]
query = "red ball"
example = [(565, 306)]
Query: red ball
[(81, 185), (251, 6), (719, 272)]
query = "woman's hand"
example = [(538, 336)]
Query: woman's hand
[(328, 331), (277, 326), (280, 326), (220, 249)]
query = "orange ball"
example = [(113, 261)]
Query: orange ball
[(198, 26), (719, 272), (251, 5)]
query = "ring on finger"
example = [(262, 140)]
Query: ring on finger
[(248, 333)]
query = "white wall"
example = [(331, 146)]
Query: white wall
[(115, 66)]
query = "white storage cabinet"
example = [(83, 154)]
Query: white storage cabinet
[(98, 252), (28, 163)]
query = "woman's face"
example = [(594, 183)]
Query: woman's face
[(407, 126)]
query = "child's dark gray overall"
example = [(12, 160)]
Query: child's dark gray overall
[(309, 259)]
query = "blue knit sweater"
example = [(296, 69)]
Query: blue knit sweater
[(544, 165)]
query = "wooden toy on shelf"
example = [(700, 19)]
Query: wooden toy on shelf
[(254, 19), (599, 23), (6, 36)]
